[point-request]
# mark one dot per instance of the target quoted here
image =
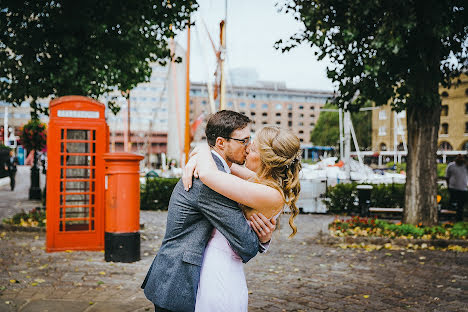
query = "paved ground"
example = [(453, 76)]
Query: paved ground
[(15, 201), (296, 274)]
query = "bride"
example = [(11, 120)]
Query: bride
[(268, 182)]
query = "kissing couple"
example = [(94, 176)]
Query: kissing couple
[(221, 214)]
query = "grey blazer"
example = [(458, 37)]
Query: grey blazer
[(172, 280)]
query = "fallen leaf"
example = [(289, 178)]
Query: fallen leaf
[(33, 284), (102, 273), (13, 281), (366, 296), (69, 251)]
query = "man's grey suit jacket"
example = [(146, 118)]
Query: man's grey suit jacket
[(172, 280)]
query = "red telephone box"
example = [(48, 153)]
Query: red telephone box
[(77, 138)]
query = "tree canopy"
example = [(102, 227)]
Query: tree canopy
[(383, 48), (327, 133), (396, 52), (56, 48)]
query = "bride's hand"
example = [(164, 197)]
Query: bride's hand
[(190, 171)]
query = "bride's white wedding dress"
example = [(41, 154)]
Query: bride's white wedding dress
[(222, 285)]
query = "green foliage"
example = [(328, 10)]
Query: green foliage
[(376, 227), (33, 135), (460, 230), (327, 133), (35, 217), (441, 169), (56, 48), (156, 192), (341, 198), (385, 51), (388, 195)]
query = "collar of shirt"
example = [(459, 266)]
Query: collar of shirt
[(225, 165)]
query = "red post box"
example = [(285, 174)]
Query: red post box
[(77, 138), (122, 201)]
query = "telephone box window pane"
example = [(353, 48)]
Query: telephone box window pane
[(92, 188), (61, 160), (78, 186), (61, 173), (93, 172), (92, 199), (92, 212), (62, 134), (61, 226), (62, 147), (78, 147), (92, 225), (77, 173), (61, 213), (94, 134), (94, 161), (78, 160), (78, 134), (94, 147), (77, 199), (78, 225), (77, 212), (61, 200), (61, 186)]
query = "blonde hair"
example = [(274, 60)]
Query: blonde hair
[(280, 152)]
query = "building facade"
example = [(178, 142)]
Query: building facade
[(266, 104), (389, 128)]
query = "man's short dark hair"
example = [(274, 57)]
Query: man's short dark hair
[(223, 124)]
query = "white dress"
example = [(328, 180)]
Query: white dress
[(222, 285)]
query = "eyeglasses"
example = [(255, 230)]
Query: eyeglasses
[(245, 141)]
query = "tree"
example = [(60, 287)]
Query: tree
[(327, 131), (396, 52), (56, 48)]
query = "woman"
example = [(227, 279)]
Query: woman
[(268, 183)]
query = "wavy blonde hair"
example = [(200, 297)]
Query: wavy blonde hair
[(280, 152)]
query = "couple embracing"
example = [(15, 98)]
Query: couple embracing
[(225, 215)]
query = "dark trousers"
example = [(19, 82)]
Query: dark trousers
[(12, 175), (158, 309), (457, 201)]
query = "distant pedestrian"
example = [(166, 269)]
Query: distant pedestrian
[(10, 167), (457, 181)]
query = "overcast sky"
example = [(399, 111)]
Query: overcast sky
[(253, 26)]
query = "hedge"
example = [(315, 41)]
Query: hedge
[(156, 192), (342, 198)]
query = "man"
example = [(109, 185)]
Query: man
[(10, 167), (457, 180), (172, 280)]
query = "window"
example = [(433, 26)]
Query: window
[(264, 106), (301, 123), (279, 106), (278, 122), (301, 131), (383, 147), (203, 103), (289, 106), (301, 107), (445, 146), (466, 127), (445, 94), (278, 114), (382, 115), (302, 140), (312, 116), (230, 104), (301, 115), (312, 107), (242, 105), (466, 108), (252, 113), (444, 110), (253, 105), (264, 122), (312, 124), (289, 123), (382, 131), (264, 114), (444, 128), (243, 113)]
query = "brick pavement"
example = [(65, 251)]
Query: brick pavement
[(295, 275)]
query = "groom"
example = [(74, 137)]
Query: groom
[(172, 280)]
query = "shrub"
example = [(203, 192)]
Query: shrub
[(388, 196), (460, 230), (341, 198), (156, 192), (35, 217)]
